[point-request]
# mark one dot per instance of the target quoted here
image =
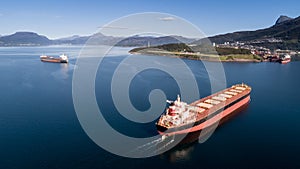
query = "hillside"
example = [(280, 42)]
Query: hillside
[(176, 47), (284, 34), (200, 52), (24, 39)]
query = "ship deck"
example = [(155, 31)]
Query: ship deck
[(207, 106)]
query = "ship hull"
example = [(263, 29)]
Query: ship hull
[(285, 61), (54, 60), (187, 138), (61, 59), (199, 126)]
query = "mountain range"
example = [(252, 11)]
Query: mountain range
[(33, 39), (284, 34)]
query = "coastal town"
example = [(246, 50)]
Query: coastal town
[(266, 54)]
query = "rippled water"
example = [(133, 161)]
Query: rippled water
[(40, 129)]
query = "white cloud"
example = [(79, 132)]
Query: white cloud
[(167, 18)]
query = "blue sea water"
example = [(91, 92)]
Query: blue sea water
[(39, 127)]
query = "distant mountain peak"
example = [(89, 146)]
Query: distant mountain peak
[(283, 18), (69, 38), (24, 32)]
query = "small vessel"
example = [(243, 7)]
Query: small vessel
[(61, 59), (182, 118), (285, 59)]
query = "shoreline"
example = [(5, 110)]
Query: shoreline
[(195, 56)]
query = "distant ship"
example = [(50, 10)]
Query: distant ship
[(61, 59), (285, 59), (183, 118)]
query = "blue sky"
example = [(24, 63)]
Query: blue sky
[(57, 19)]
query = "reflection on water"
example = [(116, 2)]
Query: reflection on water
[(178, 154), (64, 72)]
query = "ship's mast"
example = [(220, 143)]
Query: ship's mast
[(178, 98)]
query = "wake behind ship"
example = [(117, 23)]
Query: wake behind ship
[(182, 118)]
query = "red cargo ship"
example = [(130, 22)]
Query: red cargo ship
[(183, 118), (61, 59)]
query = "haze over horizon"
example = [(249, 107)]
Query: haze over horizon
[(56, 19)]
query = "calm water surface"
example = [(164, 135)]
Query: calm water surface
[(39, 127)]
